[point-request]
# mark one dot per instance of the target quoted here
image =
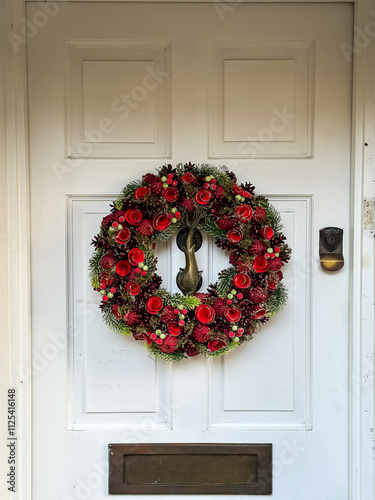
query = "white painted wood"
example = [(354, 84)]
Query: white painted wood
[(262, 99), (186, 419), (362, 477), (117, 99), (283, 398)]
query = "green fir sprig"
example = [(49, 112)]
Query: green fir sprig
[(155, 353), (94, 267), (113, 323), (127, 193), (213, 230), (169, 232), (225, 281), (277, 301)]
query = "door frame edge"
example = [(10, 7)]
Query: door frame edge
[(13, 85)]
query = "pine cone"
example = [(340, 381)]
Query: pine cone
[(225, 222), (259, 214), (132, 318), (168, 316)]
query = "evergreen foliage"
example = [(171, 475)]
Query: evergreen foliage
[(213, 230), (187, 301), (225, 281), (274, 219), (277, 301), (165, 356), (169, 232), (127, 192), (94, 267), (220, 173), (113, 323)]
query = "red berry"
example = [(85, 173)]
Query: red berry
[(206, 185), (229, 301), (112, 290), (178, 215), (137, 270), (239, 296), (213, 187), (114, 224), (231, 334), (169, 181), (102, 286), (159, 341), (121, 218), (181, 322), (144, 273), (153, 336), (176, 311), (170, 176), (272, 255), (276, 250), (170, 216), (184, 311), (174, 183), (240, 331), (105, 298), (213, 181)]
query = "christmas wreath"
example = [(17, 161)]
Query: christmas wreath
[(232, 310)]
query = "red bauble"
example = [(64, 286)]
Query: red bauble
[(241, 280), (261, 265), (205, 314), (216, 344), (232, 314), (234, 235), (135, 256), (244, 213), (204, 196), (133, 288), (154, 305), (123, 268), (133, 216), (160, 222), (123, 236), (170, 194), (141, 193)]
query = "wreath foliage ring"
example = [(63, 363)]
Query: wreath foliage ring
[(231, 311)]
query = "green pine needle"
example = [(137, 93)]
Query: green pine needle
[(94, 267), (113, 323), (186, 301), (277, 301), (165, 356), (169, 232), (219, 172), (213, 230), (127, 192), (225, 281), (274, 219)]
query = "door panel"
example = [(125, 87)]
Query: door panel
[(115, 91)]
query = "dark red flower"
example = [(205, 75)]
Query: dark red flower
[(205, 314), (154, 305), (201, 333), (123, 236), (259, 312), (160, 222), (276, 264), (174, 329), (219, 306), (168, 315), (133, 216), (244, 212), (123, 268), (241, 280), (145, 228), (170, 194), (267, 232), (234, 235), (216, 344), (204, 196), (260, 214), (232, 314), (135, 256), (169, 344), (108, 261), (261, 265), (258, 295), (133, 288), (141, 193), (108, 219), (189, 177)]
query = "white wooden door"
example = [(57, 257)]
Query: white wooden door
[(115, 91)]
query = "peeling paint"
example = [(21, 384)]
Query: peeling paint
[(368, 214)]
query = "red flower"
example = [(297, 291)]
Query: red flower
[(261, 264), (170, 194), (123, 236), (154, 305), (189, 177), (135, 256), (107, 261), (204, 196), (241, 280), (145, 228), (259, 312), (160, 222), (244, 212), (133, 288), (232, 314), (174, 329), (169, 344), (216, 344), (108, 219), (123, 268), (220, 306), (205, 314), (234, 235), (260, 214), (142, 192), (115, 312), (267, 232), (133, 216)]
